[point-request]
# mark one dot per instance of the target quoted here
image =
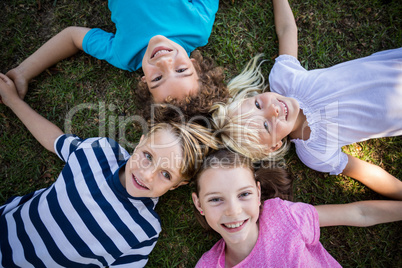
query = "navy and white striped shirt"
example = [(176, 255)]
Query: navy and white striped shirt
[(85, 219)]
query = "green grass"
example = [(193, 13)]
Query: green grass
[(329, 32)]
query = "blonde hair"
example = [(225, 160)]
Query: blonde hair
[(229, 125), (195, 140)]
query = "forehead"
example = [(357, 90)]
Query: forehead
[(166, 149), (225, 179)]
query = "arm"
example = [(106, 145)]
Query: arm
[(373, 177), (285, 27), (42, 129), (363, 213), (63, 45)]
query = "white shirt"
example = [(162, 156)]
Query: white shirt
[(347, 103)]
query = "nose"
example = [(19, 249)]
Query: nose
[(165, 62), (147, 174), (272, 111), (233, 208)]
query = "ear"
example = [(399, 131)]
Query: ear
[(143, 79), (196, 202), (193, 60), (178, 185), (276, 147), (259, 191)]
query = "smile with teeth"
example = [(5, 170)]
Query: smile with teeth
[(139, 183), (234, 225), (285, 108), (160, 51)]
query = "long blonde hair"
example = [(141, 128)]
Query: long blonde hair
[(230, 126)]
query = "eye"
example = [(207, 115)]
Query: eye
[(245, 194), (181, 70), (214, 199), (156, 78), (266, 126), (166, 175), (148, 156), (257, 105)]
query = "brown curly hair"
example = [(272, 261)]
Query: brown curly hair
[(212, 89)]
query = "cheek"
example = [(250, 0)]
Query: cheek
[(212, 216)]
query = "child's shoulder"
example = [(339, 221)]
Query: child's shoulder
[(67, 144)]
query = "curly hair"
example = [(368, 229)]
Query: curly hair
[(212, 89), (274, 180)]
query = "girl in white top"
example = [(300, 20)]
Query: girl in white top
[(320, 110)]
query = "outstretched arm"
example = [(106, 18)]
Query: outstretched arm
[(285, 27), (63, 45), (363, 213), (42, 129), (374, 177)]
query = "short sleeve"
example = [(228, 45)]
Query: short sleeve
[(306, 219), (100, 44), (207, 9), (285, 74), (65, 145), (320, 157)]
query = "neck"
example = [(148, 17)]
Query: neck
[(122, 176), (235, 253), (301, 130)]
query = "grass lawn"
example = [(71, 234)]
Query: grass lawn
[(330, 32)]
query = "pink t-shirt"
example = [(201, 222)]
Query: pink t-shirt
[(288, 237)]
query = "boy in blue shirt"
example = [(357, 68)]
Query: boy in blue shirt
[(100, 211), (155, 35)]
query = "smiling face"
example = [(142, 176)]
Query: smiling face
[(154, 167), (230, 200), (168, 70), (272, 115)]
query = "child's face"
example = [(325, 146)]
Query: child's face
[(272, 115), (168, 70), (230, 201), (154, 167)]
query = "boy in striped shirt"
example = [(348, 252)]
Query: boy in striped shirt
[(100, 211)]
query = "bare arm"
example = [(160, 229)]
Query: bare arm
[(374, 177), (63, 45), (41, 128), (285, 27), (363, 213)]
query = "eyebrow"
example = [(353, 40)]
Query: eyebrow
[(239, 190), (163, 81)]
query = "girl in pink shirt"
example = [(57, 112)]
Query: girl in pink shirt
[(278, 233)]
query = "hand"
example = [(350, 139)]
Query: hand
[(20, 82), (8, 91)]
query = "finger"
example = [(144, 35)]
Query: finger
[(5, 78)]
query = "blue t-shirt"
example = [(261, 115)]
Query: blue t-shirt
[(86, 218), (186, 22)]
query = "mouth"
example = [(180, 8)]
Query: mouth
[(285, 109), (160, 51), (234, 226), (138, 184)]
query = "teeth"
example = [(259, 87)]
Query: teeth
[(286, 108), (234, 225), (161, 51), (135, 178)]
